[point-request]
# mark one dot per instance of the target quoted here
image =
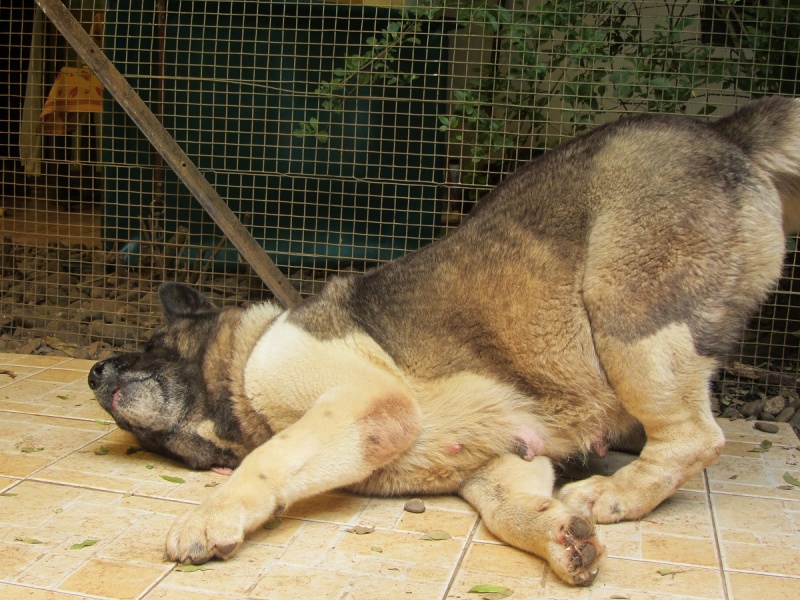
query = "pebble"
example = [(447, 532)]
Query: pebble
[(775, 405), (415, 505), (766, 427), (785, 415), (752, 408)]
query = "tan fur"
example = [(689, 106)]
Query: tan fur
[(589, 296)]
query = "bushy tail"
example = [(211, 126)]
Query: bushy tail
[(768, 130)]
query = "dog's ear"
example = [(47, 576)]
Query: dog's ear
[(180, 300)]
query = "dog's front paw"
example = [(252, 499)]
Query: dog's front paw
[(203, 533), (599, 499)]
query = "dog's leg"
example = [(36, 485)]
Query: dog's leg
[(664, 383), (514, 498), (341, 440)]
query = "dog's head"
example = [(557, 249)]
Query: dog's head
[(173, 396)]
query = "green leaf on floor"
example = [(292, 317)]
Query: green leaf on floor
[(8, 494), (377, 549), (764, 446), (436, 535), (172, 479), (491, 591), (29, 449), (101, 451), (149, 466), (791, 480), (84, 544), (132, 450), (26, 540), (63, 397), (101, 422)]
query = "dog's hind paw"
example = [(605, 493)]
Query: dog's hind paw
[(579, 557), (199, 535), (576, 551)]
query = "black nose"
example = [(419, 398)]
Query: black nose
[(96, 374)]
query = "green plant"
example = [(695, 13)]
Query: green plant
[(560, 65)]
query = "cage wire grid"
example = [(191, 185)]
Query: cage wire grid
[(343, 135)]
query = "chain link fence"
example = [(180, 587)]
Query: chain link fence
[(342, 134)]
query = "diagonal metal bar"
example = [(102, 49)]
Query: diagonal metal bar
[(169, 149)]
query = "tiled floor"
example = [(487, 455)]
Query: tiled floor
[(83, 514)]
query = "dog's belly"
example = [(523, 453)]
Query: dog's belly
[(469, 419)]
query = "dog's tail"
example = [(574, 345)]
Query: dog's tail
[(768, 130)]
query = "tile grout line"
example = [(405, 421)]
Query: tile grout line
[(717, 542), (467, 543)]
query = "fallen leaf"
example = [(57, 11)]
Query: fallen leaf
[(764, 446), (436, 535), (101, 422), (63, 397), (491, 592), (29, 449), (664, 572), (84, 544), (7, 494), (733, 477), (791, 480), (191, 568), (617, 597), (376, 549), (149, 466), (360, 530), (172, 479), (212, 484), (490, 589), (27, 540), (101, 451), (132, 450), (58, 511)]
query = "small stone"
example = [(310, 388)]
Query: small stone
[(766, 427), (753, 408), (785, 415), (775, 405), (415, 505), (765, 416), (731, 413)]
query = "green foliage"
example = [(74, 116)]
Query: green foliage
[(559, 65)]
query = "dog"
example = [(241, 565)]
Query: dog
[(594, 291)]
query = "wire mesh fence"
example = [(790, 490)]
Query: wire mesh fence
[(342, 134)]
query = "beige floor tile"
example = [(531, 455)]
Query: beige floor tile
[(503, 560), (18, 592), (746, 586), (332, 507), (530, 587), (236, 576), (684, 550), (684, 514), (112, 579), (58, 376), (764, 517), (659, 578), (286, 582), (742, 431), (669, 554), (33, 360), (457, 524)]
